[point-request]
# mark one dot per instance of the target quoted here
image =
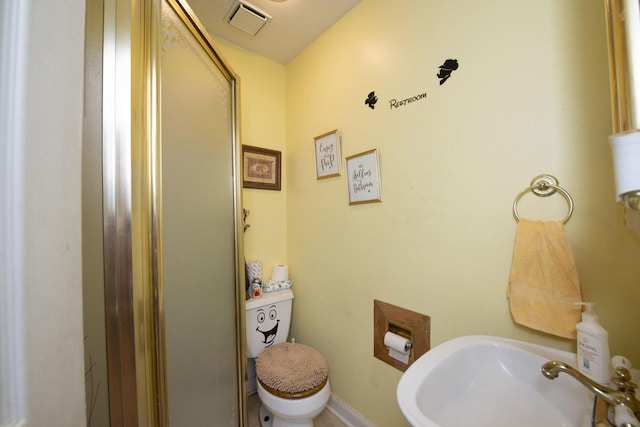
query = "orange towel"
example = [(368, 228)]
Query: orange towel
[(543, 284)]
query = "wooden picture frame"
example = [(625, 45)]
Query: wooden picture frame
[(261, 168), (328, 157), (363, 178)]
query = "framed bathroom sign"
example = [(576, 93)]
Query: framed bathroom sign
[(328, 157), (363, 178)]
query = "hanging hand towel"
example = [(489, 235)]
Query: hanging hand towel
[(543, 284)]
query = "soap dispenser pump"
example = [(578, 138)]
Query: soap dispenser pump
[(593, 346)]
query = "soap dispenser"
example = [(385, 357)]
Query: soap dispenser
[(593, 347)]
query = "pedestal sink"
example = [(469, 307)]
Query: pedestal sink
[(491, 381)]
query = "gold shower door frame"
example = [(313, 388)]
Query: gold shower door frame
[(132, 211)]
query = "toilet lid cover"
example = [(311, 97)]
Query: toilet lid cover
[(291, 368)]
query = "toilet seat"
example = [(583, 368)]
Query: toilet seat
[(292, 371), (300, 395)]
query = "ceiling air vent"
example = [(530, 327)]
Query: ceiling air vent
[(247, 17)]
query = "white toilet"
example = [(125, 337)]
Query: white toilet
[(292, 379)]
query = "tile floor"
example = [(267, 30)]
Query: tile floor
[(325, 419)]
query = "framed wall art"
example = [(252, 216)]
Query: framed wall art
[(328, 157), (363, 178), (261, 168)]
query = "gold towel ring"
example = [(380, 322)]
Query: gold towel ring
[(543, 186)]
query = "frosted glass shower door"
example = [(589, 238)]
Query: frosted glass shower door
[(198, 237)]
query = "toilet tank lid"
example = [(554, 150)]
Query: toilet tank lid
[(269, 298)]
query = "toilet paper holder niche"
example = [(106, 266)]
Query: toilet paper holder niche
[(405, 324), (402, 331)]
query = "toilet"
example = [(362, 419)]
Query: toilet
[(292, 378)]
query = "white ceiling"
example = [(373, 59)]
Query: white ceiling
[(293, 26)]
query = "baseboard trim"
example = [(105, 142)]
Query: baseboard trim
[(347, 415)]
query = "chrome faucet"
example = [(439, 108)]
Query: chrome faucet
[(622, 396)]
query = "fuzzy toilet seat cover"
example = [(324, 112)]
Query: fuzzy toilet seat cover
[(291, 368)]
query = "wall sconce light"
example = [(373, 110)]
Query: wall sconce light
[(626, 164)]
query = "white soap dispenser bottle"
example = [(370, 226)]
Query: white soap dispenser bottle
[(593, 358)]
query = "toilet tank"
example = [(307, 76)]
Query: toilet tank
[(268, 320)]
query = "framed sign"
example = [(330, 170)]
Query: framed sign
[(363, 179), (327, 147), (260, 168)]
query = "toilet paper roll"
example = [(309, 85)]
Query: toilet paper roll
[(280, 273), (626, 157), (399, 347)]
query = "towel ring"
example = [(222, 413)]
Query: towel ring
[(543, 186)]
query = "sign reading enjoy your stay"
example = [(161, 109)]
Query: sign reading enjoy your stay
[(328, 154)]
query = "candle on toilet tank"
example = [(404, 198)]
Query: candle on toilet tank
[(256, 289)]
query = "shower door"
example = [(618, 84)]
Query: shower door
[(173, 295), (197, 227)]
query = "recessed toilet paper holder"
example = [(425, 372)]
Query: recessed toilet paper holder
[(403, 331), (398, 341), (404, 324)]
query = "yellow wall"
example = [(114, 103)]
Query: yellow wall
[(262, 124), (531, 96)]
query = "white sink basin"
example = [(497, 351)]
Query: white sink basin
[(491, 381)]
